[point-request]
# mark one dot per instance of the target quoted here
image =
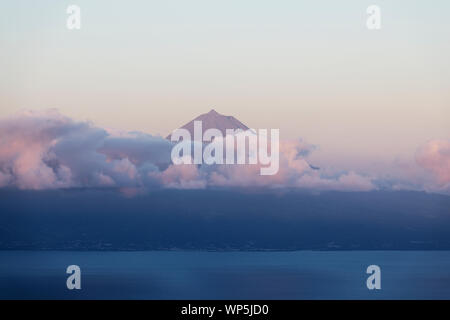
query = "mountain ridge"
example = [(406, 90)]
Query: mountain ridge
[(213, 120)]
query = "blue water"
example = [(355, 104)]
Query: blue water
[(225, 275)]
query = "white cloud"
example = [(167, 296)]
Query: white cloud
[(41, 150)]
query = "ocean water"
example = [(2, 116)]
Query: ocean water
[(225, 275)]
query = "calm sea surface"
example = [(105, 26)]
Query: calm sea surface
[(225, 275)]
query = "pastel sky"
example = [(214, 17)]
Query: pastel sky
[(310, 68)]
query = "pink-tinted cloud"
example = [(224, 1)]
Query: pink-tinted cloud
[(434, 156), (41, 150), (183, 176)]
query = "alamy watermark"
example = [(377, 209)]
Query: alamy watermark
[(74, 280), (74, 18), (374, 19), (374, 280), (212, 147)]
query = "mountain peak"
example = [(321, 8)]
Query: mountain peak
[(215, 120)]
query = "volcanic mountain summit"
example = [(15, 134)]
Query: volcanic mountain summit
[(213, 119)]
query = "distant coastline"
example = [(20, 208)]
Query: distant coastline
[(217, 220)]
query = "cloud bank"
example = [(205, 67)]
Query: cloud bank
[(46, 150), (434, 156)]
